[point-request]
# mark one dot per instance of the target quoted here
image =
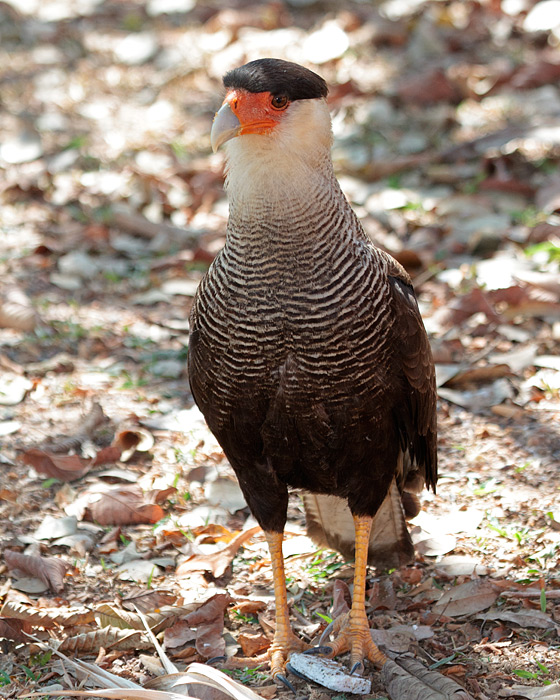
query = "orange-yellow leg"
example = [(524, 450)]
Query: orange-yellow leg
[(352, 630), (285, 641)]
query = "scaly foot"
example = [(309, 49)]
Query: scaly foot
[(280, 650), (352, 630), (352, 634)]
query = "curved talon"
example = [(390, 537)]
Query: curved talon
[(318, 650), (326, 632), (356, 666), (292, 670), (285, 681), (215, 659)]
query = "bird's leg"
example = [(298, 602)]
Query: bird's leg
[(353, 628), (285, 640)]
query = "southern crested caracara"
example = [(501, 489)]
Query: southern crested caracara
[(308, 356)]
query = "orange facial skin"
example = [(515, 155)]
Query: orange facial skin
[(255, 110)]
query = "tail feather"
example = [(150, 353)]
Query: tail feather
[(330, 524)]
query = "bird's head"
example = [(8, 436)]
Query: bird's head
[(274, 118)]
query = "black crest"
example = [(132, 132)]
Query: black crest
[(279, 78)]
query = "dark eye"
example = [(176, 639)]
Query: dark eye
[(279, 102)]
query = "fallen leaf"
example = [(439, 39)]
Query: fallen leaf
[(179, 634), (14, 629), (123, 505), (107, 455), (248, 607), (208, 620), (252, 644), (133, 439), (212, 609), (433, 545), (342, 599), (393, 639), (382, 595), (148, 601), (61, 467), (523, 618), (408, 678), (467, 598), (548, 692), (217, 562), (49, 570), (47, 617), (459, 565)]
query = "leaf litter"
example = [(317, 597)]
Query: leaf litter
[(446, 142)]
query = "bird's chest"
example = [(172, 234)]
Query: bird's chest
[(285, 307), (292, 324)]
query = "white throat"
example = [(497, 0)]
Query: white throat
[(285, 165)]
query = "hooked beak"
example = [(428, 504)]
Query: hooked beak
[(226, 126)]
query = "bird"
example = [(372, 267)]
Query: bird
[(307, 354)]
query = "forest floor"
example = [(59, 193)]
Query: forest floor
[(447, 142)]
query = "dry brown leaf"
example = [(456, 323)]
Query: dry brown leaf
[(248, 607), (147, 601), (16, 311), (342, 600), (252, 644), (107, 455), (268, 691), (472, 376), (218, 562), (61, 467), (110, 542), (213, 532), (133, 439), (382, 595), (208, 620), (49, 570), (179, 634), (14, 629), (523, 618), (408, 678), (467, 598), (47, 617), (111, 616), (162, 495), (209, 640), (209, 611), (124, 505), (108, 638)]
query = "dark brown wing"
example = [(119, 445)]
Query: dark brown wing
[(417, 420), (329, 521)]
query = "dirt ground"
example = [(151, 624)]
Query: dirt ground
[(113, 494)]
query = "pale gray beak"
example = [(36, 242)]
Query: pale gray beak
[(226, 126)]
